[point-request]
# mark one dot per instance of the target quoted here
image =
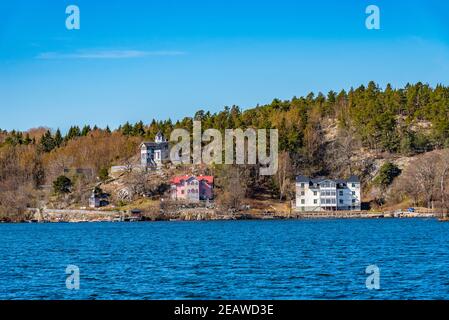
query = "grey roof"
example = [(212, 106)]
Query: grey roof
[(353, 179), (150, 144), (304, 179)]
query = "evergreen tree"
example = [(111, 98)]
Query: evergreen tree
[(58, 138), (387, 173), (127, 129), (47, 142), (73, 133), (139, 129), (86, 130), (27, 139), (62, 185)]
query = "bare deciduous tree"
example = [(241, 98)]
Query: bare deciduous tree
[(284, 174), (443, 177), (340, 153), (421, 180)]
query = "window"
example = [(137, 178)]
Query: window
[(303, 201), (353, 185), (182, 191), (302, 185), (302, 193), (341, 193), (353, 200), (341, 201), (315, 201), (353, 193), (315, 193)]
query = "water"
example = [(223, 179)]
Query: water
[(324, 259)]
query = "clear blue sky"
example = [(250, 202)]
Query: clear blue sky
[(137, 60)]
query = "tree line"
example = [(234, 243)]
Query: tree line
[(320, 134)]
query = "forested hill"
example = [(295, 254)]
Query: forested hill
[(321, 133)]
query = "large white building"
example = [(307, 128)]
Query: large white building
[(327, 194), (153, 154)]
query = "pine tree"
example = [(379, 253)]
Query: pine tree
[(138, 129), (127, 129), (58, 138), (47, 142), (27, 139), (86, 130), (73, 133)]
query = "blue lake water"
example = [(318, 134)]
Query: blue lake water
[(322, 259)]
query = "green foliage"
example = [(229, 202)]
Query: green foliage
[(103, 174), (409, 120), (58, 138), (127, 129), (62, 185), (138, 129), (15, 138), (387, 173), (86, 130), (73, 133), (47, 142)]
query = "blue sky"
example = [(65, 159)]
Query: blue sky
[(138, 60)]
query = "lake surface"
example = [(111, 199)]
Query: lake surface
[(294, 259)]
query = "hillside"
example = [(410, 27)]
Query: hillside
[(392, 138)]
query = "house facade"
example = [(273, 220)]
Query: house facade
[(327, 194), (153, 154), (192, 188), (98, 199)]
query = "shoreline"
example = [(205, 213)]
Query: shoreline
[(113, 218)]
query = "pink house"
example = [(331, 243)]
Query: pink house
[(192, 188)]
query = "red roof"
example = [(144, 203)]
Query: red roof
[(177, 179)]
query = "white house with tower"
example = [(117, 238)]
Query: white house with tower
[(153, 154)]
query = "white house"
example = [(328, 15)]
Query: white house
[(153, 154), (327, 194)]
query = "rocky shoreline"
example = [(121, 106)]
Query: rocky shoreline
[(205, 214)]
